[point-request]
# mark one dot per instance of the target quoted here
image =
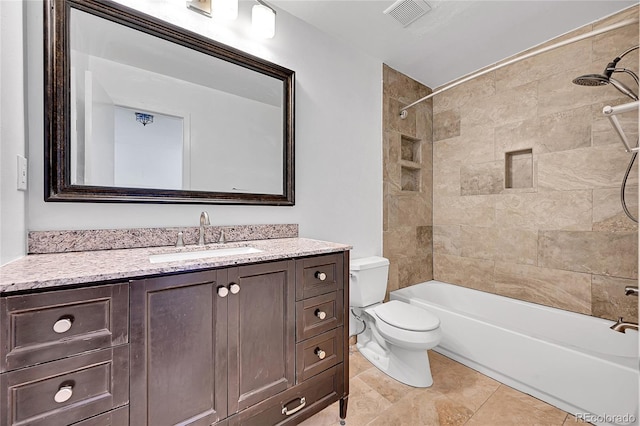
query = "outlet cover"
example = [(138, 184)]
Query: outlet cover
[(22, 173)]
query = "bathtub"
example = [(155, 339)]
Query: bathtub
[(572, 361)]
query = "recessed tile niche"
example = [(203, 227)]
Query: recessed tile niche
[(519, 169), (410, 167)]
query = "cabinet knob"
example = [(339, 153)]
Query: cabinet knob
[(63, 394), (63, 325), (223, 291), (321, 314), (320, 353), (321, 276), (235, 288)]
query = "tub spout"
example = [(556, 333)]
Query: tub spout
[(631, 291), (620, 326)]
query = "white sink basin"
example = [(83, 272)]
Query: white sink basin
[(202, 254)]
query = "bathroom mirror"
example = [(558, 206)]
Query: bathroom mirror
[(139, 110)]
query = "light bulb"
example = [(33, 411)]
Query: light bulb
[(263, 21)]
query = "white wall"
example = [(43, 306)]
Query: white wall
[(12, 131), (338, 137)]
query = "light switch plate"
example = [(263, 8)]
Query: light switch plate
[(200, 6), (22, 173)]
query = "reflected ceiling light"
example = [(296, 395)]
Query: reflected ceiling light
[(263, 20), (144, 118), (225, 9)]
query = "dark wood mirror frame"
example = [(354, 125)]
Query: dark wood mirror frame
[(57, 107)]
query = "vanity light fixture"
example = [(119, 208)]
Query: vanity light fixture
[(263, 20), (225, 9), (144, 118)]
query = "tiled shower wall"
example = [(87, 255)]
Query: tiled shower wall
[(407, 230), (526, 181)]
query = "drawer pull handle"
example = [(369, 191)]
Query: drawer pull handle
[(320, 353), (321, 314), (288, 412), (235, 288), (63, 325), (63, 394), (321, 276), (223, 291)]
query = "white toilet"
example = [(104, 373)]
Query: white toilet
[(396, 334)]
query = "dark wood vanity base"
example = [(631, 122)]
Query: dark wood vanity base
[(254, 344)]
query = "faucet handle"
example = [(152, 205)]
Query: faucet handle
[(222, 238), (180, 241)]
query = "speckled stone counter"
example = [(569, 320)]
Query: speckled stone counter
[(37, 271)]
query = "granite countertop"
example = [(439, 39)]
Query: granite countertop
[(37, 271)]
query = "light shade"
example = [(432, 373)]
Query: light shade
[(225, 9), (263, 21)]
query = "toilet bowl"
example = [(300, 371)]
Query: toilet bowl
[(395, 335)]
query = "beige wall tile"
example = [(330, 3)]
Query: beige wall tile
[(400, 241), (609, 301), (516, 245), (446, 179), (414, 270), (480, 87), (551, 287), (517, 136), (544, 65), (393, 121), (473, 210), (399, 86), (607, 210), (446, 125), (570, 210), (603, 253), (464, 271), (425, 238), (475, 147), (565, 130), (476, 242), (518, 104), (585, 168), (447, 240), (482, 178), (558, 93)]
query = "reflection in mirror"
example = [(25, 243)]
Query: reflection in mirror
[(153, 119)]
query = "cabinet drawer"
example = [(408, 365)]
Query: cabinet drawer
[(318, 275), (66, 391), (313, 395), (318, 353), (117, 417), (318, 314), (43, 327)]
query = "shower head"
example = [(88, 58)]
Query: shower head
[(591, 80), (603, 79)]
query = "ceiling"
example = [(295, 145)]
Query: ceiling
[(455, 37)]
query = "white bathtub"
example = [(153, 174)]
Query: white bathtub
[(572, 361)]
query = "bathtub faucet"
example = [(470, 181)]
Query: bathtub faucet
[(620, 326), (631, 291)]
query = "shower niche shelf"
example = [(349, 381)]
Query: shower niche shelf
[(518, 169), (410, 164)]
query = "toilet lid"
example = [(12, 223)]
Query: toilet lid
[(408, 317)]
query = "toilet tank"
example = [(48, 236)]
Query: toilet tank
[(367, 280)]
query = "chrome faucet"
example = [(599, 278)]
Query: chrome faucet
[(620, 326), (631, 291), (204, 221)]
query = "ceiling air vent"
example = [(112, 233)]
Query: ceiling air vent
[(407, 11)]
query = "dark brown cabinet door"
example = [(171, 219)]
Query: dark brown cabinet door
[(261, 332), (178, 350)]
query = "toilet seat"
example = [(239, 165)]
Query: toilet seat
[(406, 317)]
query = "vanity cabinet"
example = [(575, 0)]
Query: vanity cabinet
[(256, 344)]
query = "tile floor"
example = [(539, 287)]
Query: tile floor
[(459, 396)]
